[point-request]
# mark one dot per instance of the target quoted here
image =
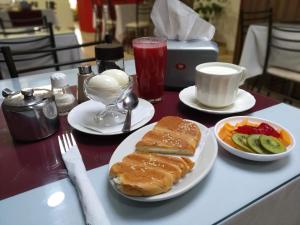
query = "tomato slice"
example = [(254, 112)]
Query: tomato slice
[(263, 128), (268, 130)]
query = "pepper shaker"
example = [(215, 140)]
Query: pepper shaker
[(84, 71)]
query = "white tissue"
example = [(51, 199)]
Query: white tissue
[(92, 207), (176, 21)]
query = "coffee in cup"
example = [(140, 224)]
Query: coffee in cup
[(217, 83)]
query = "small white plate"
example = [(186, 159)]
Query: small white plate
[(204, 159), (84, 113), (243, 102), (252, 156)]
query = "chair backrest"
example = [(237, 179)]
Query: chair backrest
[(32, 43), (10, 60), (248, 18), (143, 10), (105, 18), (284, 44), (254, 17)]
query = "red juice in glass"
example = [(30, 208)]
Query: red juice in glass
[(150, 54)]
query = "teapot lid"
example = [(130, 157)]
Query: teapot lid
[(24, 98)]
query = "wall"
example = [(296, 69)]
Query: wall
[(288, 10), (227, 23), (63, 13)]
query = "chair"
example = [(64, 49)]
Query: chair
[(248, 18), (283, 58), (105, 23), (111, 20), (31, 43), (142, 24), (10, 58)]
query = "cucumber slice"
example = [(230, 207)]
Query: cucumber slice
[(241, 141), (254, 143), (271, 144)]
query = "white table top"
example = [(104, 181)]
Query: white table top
[(232, 184)]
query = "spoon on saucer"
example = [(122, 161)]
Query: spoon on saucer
[(129, 103)]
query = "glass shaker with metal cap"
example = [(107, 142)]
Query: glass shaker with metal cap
[(109, 56), (64, 98), (84, 71)]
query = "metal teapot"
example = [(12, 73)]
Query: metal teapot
[(30, 114)]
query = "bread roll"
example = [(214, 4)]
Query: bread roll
[(144, 174), (171, 135)]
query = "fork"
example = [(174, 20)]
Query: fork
[(93, 210), (66, 144)]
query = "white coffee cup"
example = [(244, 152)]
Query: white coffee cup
[(217, 83)]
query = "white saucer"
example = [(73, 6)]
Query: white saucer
[(243, 102), (81, 117)]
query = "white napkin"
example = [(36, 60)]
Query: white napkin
[(92, 208), (175, 20)]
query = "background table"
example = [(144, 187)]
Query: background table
[(48, 13), (62, 38), (125, 13), (254, 51)]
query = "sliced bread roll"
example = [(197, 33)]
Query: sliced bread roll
[(139, 180), (144, 174), (171, 135), (149, 160)]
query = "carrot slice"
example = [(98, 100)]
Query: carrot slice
[(285, 137)]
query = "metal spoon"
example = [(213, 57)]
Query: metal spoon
[(129, 103)]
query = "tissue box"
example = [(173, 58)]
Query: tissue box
[(183, 57)]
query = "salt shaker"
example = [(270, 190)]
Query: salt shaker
[(64, 98), (84, 71), (109, 56)]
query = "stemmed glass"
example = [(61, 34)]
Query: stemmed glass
[(111, 115)]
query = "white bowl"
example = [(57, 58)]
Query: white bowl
[(252, 156)]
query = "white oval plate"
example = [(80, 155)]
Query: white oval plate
[(204, 159), (247, 155), (243, 102), (84, 113)]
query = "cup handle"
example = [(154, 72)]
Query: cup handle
[(243, 77)]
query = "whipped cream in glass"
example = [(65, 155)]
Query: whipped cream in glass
[(109, 88)]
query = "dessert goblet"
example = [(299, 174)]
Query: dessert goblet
[(108, 91)]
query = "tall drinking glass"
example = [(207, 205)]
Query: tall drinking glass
[(150, 54)]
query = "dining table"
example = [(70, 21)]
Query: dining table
[(48, 13), (63, 37), (35, 188)]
